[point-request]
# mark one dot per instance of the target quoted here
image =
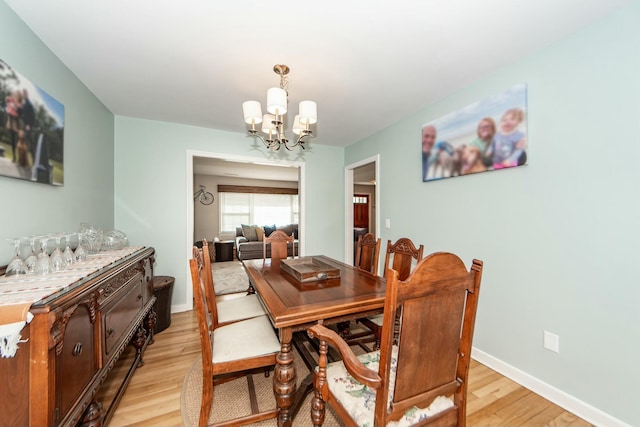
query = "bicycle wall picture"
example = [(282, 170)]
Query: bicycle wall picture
[(31, 130), (203, 196)]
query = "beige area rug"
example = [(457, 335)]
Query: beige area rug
[(231, 399), (229, 277)]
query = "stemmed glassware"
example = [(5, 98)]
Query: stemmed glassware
[(16, 266), (32, 260), (43, 256), (68, 257), (81, 253), (57, 262)]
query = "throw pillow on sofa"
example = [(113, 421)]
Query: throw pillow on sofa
[(249, 232), (260, 233), (268, 229), (288, 229)]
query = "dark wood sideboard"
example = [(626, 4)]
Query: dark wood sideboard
[(75, 339)]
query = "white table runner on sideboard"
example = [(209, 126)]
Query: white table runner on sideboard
[(18, 293)]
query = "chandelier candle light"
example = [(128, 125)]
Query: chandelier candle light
[(273, 122)]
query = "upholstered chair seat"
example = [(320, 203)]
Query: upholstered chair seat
[(359, 400), (242, 340), (244, 307), (377, 319)]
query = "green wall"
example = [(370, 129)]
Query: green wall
[(87, 195), (558, 236), (151, 184)]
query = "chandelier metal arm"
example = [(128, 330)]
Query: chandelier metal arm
[(275, 144)]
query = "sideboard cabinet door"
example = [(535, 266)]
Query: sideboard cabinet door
[(118, 314), (76, 362)]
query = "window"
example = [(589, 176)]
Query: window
[(360, 200), (257, 208)]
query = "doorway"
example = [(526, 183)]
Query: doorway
[(361, 201), (251, 163)]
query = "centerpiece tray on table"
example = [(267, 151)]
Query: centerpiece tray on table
[(309, 269)]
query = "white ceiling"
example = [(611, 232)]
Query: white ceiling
[(366, 63), (249, 170)]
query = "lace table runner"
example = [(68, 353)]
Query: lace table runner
[(18, 293)]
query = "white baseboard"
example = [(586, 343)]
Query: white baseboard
[(179, 308), (576, 406)]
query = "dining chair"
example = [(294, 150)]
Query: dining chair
[(234, 348), (423, 379), (279, 246), (367, 253), (403, 253), (228, 310)]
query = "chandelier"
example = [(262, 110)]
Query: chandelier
[(272, 123)]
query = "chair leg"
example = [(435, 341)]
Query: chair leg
[(396, 328), (250, 289), (317, 410), (376, 346), (344, 329), (207, 400), (319, 384)]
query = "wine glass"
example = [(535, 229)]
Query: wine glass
[(16, 266), (67, 256), (43, 256), (80, 254), (57, 262), (32, 260)]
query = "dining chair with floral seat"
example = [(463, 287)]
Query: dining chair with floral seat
[(423, 379)]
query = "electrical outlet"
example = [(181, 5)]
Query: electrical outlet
[(387, 223), (551, 342)]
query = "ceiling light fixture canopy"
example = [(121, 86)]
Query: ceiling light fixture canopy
[(272, 123)]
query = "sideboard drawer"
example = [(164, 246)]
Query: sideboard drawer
[(118, 315)]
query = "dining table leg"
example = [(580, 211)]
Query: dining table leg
[(284, 381)]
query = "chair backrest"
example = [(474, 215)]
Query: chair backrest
[(206, 274), (403, 252), (438, 299), (367, 253), (279, 242), (206, 324)]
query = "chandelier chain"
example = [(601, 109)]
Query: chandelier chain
[(284, 84)]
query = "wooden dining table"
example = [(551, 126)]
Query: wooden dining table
[(294, 305)]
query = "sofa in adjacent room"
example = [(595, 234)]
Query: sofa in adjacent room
[(249, 239)]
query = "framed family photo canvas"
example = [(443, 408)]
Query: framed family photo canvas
[(31, 130), (487, 135)]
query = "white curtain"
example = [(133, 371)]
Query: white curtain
[(258, 209)]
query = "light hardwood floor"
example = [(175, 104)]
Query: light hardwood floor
[(153, 396)]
